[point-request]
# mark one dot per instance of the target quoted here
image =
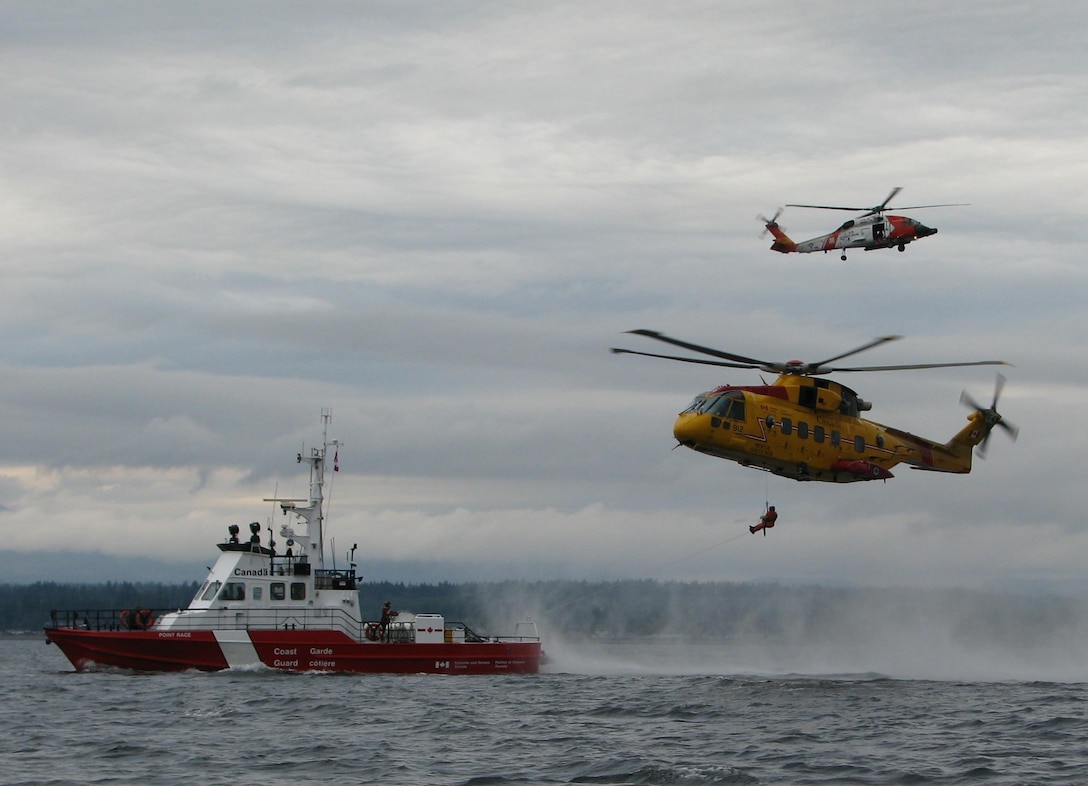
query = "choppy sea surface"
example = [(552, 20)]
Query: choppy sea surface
[(591, 719)]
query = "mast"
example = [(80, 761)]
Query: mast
[(313, 513)]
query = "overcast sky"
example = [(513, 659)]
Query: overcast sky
[(434, 219)]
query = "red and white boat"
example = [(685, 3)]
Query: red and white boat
[(262, 608)]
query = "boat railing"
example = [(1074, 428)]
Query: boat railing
[(334, 579), (104, 619), (263, 618), (230, 618), (470, 636)]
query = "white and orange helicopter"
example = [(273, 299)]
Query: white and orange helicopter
[(871, 230)]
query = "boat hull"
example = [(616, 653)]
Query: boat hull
[(287, 650)]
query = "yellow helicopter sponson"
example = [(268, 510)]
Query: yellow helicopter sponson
[(811, 429)]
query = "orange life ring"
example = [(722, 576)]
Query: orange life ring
[(373, 631), (139, 620)]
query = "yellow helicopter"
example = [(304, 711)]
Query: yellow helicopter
[(805, 428)]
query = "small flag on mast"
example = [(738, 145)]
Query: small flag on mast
[(336, 461)]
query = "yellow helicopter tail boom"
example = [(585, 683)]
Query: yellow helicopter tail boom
[(956, 454), (953, 456)]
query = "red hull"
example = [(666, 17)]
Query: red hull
[(141, 650), (291, 650)]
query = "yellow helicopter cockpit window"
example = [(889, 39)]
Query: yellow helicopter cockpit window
[(696, 407), (730, 405)]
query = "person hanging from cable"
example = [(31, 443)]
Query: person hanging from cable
[(766, 521)]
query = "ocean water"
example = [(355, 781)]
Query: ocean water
[(594, 717)]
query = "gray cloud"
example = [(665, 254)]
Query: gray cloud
[(435, 221)]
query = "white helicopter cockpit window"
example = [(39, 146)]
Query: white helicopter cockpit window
[(731, 406)]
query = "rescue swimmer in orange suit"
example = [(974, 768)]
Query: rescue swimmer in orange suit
[(766, 521)]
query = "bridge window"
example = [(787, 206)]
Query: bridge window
[(277, 591), (859, 443), (298, 590), (233, 590), (210, 590), (258, 592)]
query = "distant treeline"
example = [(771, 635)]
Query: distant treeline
[(26, 607), (577, 609)]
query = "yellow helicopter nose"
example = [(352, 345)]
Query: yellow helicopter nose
[(689, 428)]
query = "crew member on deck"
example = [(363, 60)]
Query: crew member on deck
[(766, 521), (387, 617)]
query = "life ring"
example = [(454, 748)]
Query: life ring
[(373, 631), (140, 620)]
